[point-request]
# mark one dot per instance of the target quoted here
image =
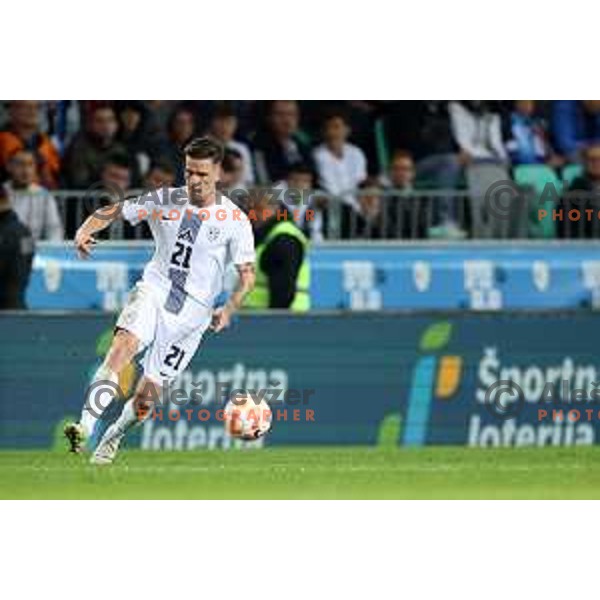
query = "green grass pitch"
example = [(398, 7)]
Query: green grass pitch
[(327, 472)]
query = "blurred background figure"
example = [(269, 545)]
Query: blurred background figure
[(406, 216), (477, 130), (33, 204), (423, 129), (61, 120), (87, 154), (282, 264), (161, 174), (233, 173), (575, 124), (16, 256), (180, 130), (158, 113), (280, 143), (135, 136), (341, 166), (116, 172), (528, 138), (366, 219), (23, 132), (402, 172), (298, 193), (114, 184), (223, 127)]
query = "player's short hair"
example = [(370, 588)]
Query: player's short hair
[(203, 148)]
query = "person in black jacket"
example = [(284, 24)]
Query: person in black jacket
[(281, 258), (281, 145), (16, 257)]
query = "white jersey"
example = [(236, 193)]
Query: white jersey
[(193, 245)]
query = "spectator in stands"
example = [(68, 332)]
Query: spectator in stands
[(33, 204), (180, 130), (366, 219), (115, 180), (575, 124), (477, 131), (583, 194), (140, 144), (402, 172), (16, 256), (341, 166), (527, 136), (282, 144), (158, 113), (297, 192), (61, 122), (423, 128), (223, 127), (23, 132), (406, 215), (360, 115), (232, 171), (161, 174), (90, 150), (116, 173)]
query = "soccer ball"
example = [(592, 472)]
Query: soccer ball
[(247, 418)]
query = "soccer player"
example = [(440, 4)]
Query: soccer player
[(196, 235)]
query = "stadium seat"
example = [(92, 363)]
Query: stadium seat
[(570, 173), (537, 177)]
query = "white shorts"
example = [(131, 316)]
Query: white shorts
[(171, 339)]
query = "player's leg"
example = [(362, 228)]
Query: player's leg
[(163, 362), (103, 388), (135, 328), (105, 385), (135, 411)]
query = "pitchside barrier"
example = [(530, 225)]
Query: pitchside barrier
[(379, 379), (391, 275)]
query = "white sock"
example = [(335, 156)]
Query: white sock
[(98, 398), (127, 419)]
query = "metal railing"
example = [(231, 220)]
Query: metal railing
[(385, 215)]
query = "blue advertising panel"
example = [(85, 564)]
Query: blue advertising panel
[(357, 277), (354, 378)]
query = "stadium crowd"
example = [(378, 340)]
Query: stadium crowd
[(390, 166)]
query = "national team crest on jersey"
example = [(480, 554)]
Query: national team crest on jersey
[(186, 234), (213, 233)]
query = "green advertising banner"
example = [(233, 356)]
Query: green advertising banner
[(359, 378)]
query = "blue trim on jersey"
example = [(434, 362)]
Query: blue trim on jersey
[(187, 234)]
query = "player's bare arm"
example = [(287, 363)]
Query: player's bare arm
[(99, 220), (222, 316)]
